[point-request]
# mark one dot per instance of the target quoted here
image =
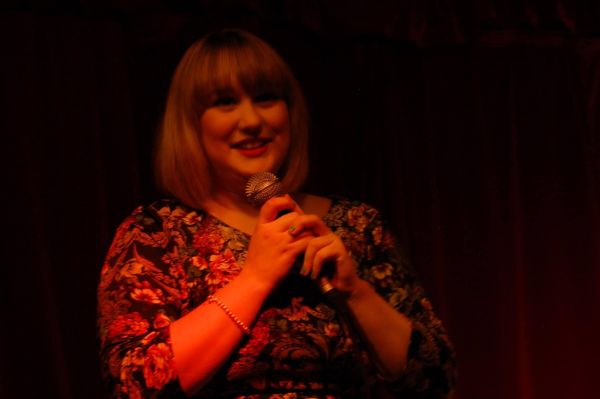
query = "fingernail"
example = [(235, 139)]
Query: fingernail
[(292, 228), (303, 270)]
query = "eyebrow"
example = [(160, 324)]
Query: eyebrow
[(220, 90)]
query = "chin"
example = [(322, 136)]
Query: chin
[(266, 167)]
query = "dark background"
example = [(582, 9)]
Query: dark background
[(473, 125)]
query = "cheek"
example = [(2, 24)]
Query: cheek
[(284, 142), (214, 125), (279, 118)]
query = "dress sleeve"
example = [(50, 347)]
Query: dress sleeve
[(142, 289), (431, 368)]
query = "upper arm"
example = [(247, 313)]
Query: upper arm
[(431, 359), (139, 295)]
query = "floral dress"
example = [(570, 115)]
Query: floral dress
[(167, 258)]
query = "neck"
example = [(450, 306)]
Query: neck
[(233, 209)]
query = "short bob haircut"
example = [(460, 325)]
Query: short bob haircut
[(211, 64)]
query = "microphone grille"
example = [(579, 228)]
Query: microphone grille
[(262, 187)]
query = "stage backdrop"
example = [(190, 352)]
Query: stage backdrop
[(473, 127)]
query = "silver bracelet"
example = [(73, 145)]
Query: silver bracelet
[(228, 312)]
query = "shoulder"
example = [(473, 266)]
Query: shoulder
[(337, 210), (170, 210), (161, 215), (356, 214), (154, 225), (353, 208)]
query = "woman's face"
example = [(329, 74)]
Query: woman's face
[(243, 135)]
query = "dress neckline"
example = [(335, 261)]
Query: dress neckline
[(334, 202)]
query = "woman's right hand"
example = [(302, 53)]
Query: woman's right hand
[(272, 250), (208, 331)]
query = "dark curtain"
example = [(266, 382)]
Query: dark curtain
[(474, 126)]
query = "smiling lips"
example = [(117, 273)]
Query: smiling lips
[(252, 147)]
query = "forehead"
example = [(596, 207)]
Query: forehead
[(245, 70), (233, 86)]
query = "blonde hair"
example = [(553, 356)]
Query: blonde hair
[(211, 63)]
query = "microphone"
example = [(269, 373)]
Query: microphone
[(259, 189)]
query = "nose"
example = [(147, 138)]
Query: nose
[(250, 120)]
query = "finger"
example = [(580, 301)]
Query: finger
[(310, 222), (296, 248), (322, 257), (296, 226), (276, 205), (297, 208), (285, 222), (299, 246), (314, 246)]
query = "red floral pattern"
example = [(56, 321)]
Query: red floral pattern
[(158, 366), (130, 324), (166, 259)]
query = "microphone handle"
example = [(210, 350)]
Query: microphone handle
[(337, 301)]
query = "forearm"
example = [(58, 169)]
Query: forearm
[(206, 337), (386, 331)]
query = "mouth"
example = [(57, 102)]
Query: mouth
[(252, 147), (251, 144)]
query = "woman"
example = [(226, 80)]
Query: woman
[(198, 294)]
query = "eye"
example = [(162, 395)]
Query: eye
[(224, 101), (266, 98)]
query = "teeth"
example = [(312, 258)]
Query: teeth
[(251, 145)]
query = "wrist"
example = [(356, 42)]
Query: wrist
[(257, 286), (360, 290)]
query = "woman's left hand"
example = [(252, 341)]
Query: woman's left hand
[(386, 330), (324, 248)]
